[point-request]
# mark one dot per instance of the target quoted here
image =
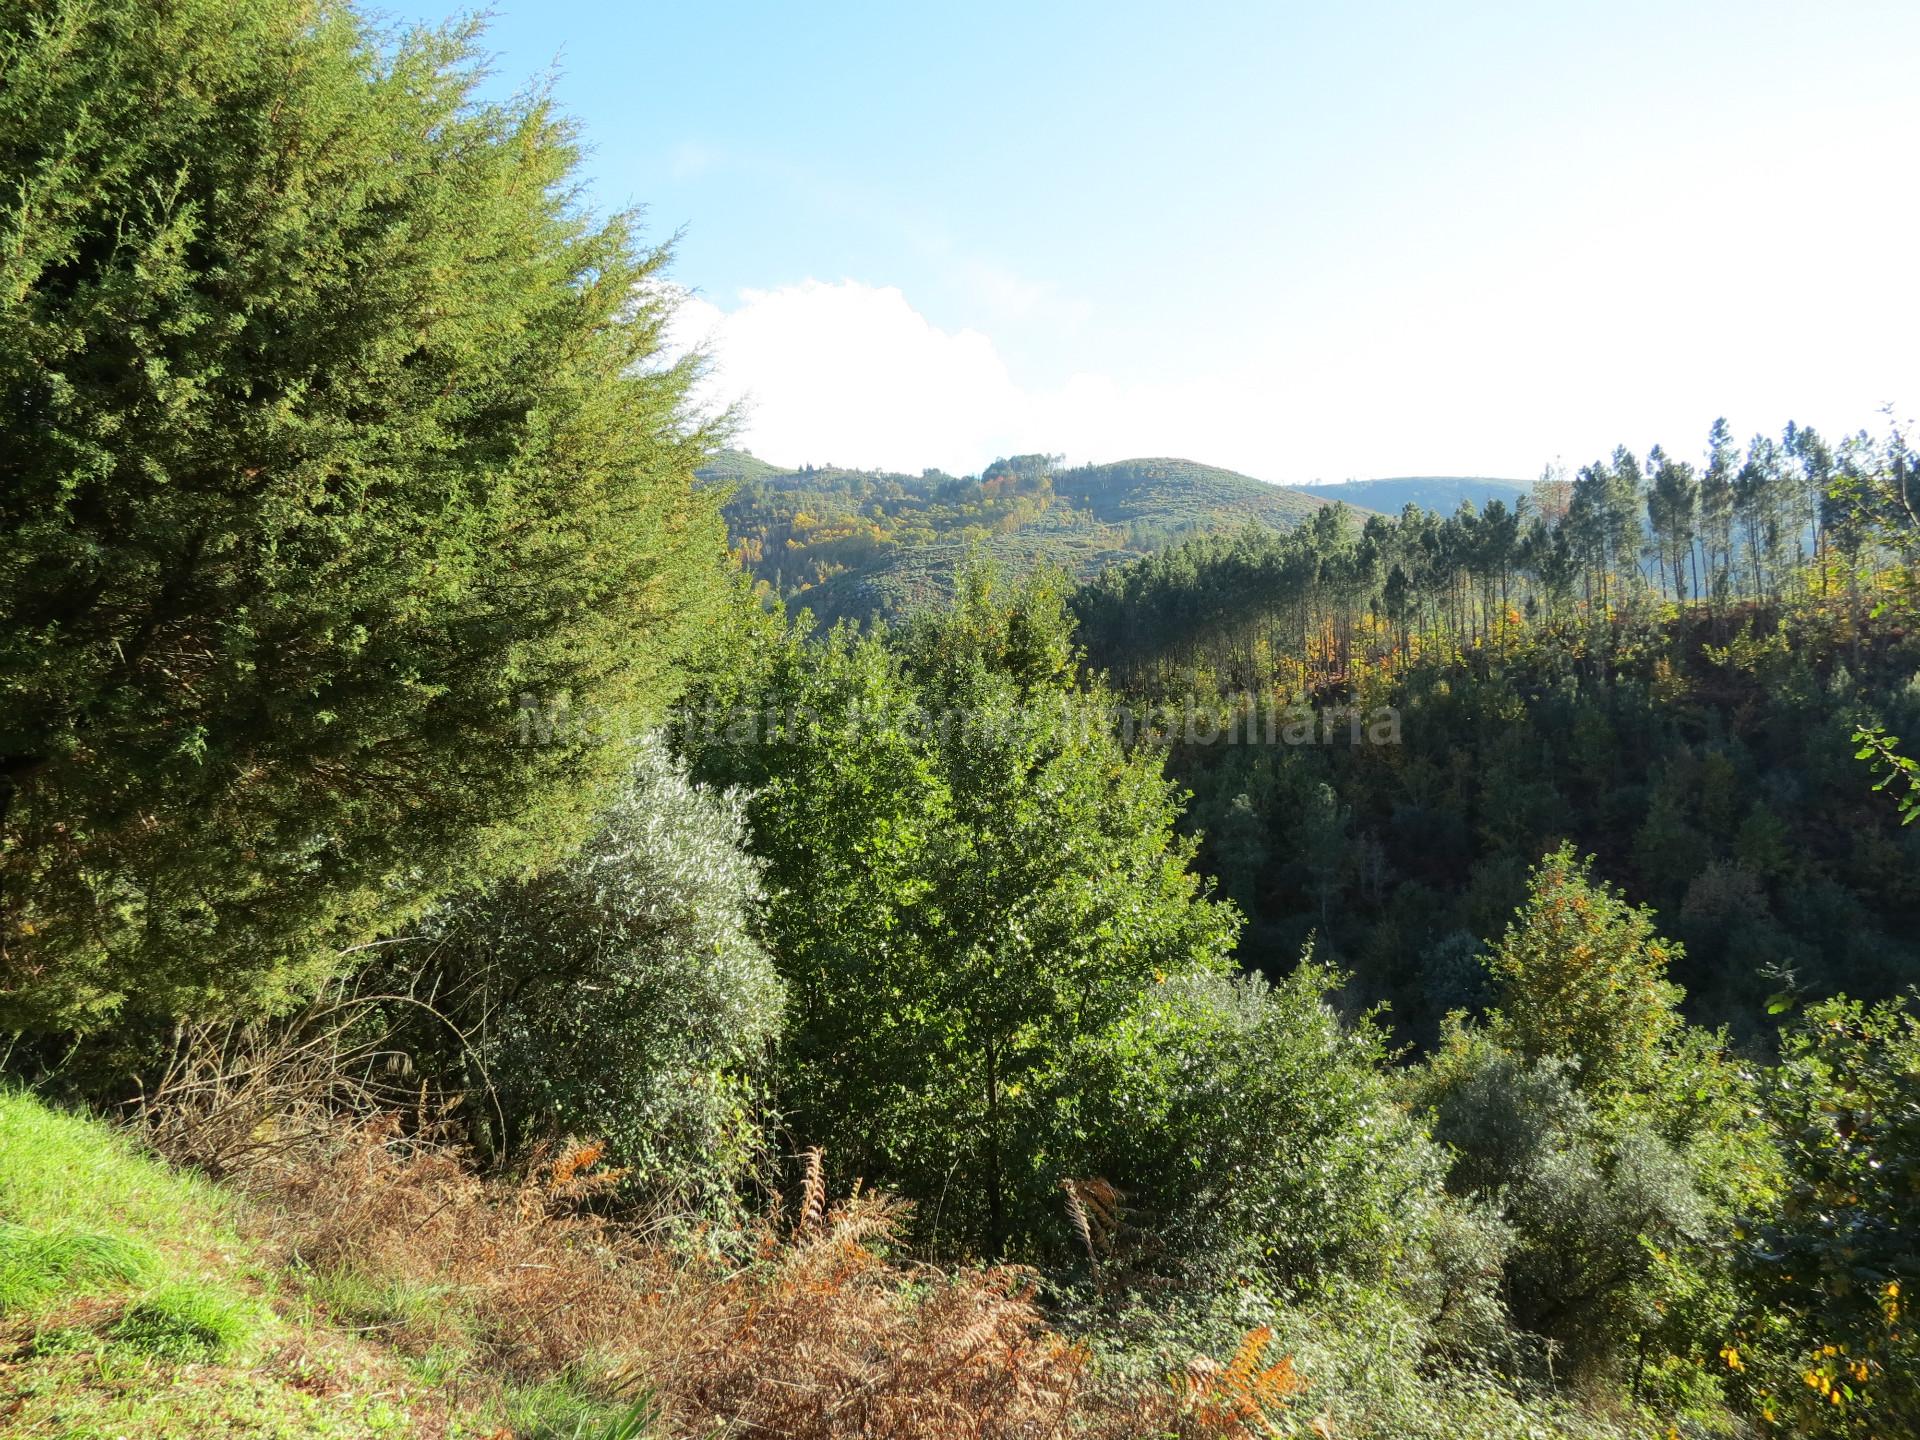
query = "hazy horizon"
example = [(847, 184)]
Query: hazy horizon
[(976, 468)]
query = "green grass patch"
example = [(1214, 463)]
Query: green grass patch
[(559, 1411), (118, 1394), (37, 1266), (418, 1316), (162, 1238), (186, 1322), (55, 1165)]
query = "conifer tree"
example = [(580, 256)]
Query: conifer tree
[(333, 429), (1756, 500), (1582, 976), (1670, 511), (1717, 508)]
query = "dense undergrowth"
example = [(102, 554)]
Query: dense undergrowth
[(367, 1281), (1706, 758)]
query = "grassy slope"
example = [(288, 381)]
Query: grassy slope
[(134, 1302)]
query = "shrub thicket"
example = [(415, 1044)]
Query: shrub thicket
[(619, 994), (967, 874)]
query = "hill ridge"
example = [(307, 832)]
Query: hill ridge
[(877, 544), (1390, 494)]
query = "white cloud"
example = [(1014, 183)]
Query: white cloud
[(852, 374)]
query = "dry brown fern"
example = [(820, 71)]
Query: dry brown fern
[(1234, 1398), (1094, 1209), (823, 1337), (813, 1191), (812, 1330)]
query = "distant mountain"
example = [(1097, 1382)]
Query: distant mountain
[(735, 466), (1180, 496), (1439, 493), (865, 544)]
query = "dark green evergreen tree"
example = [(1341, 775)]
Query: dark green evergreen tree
[(333, 429)]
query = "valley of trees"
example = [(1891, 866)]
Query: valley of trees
[(1554, 678), (476, 962)]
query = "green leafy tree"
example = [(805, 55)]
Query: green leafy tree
[(1877, 489), (1833, 1269), (967, 873), (1617, 1142), (1592, 1207), (333, 429)]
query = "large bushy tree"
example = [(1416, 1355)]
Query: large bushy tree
[(1251, 1129), (1617, 1142), (1583, 978), (331, 428)]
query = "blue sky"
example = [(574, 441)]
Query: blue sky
[(1307, 241)]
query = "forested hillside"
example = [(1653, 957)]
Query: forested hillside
[(863, 545), (1545, 689)]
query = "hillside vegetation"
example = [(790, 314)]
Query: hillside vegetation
[(349, 1281), (474, 963), (1704, 750), (866, 545)]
